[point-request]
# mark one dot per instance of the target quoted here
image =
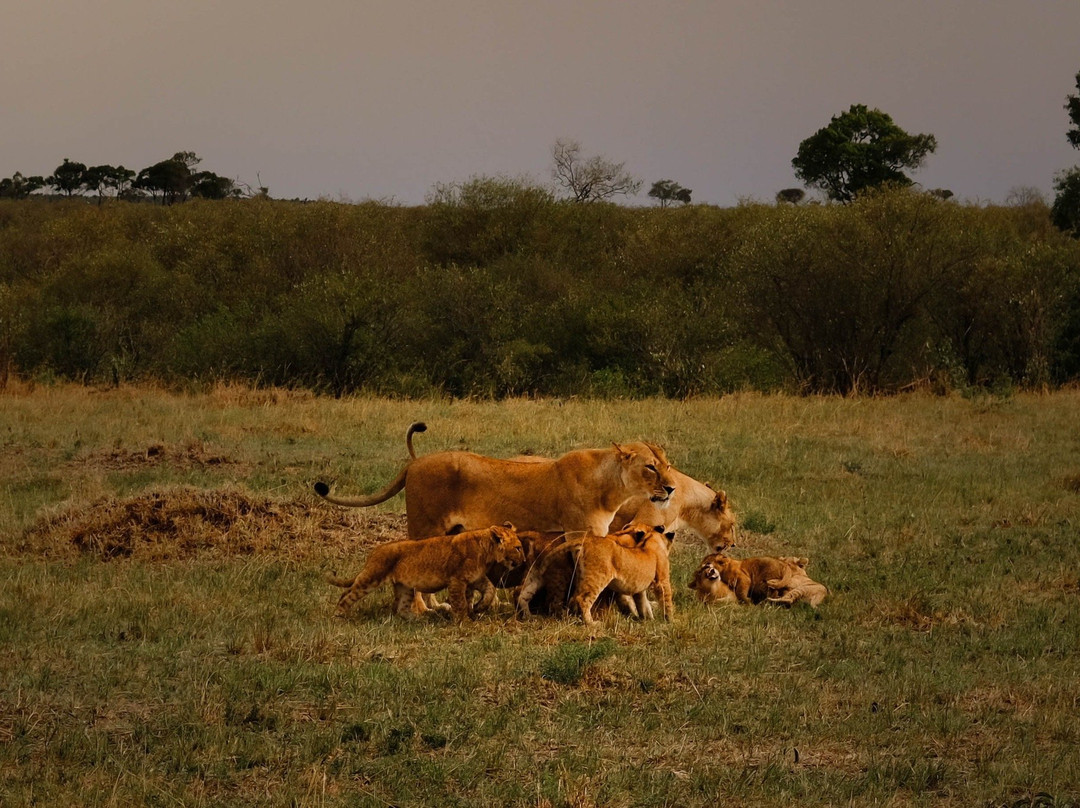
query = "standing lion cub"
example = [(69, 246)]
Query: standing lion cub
[(628, 571), (459, 563)]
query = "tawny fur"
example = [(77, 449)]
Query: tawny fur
[(603, 563), (554, 566), (428, 565), (754, 580), (795, 585), (450, 492), (693, 506), (708, 586)]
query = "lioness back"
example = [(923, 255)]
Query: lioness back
[(581, 490)]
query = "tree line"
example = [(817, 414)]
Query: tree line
[(167, 181), (859, 150), (499, 287), (496, 287)]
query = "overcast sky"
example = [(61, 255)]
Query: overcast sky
[(381, 99)]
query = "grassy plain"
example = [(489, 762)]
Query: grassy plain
[(168, 638)]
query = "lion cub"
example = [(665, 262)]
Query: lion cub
[(709, 587), (603, 563), (458, 563), (554, 565), (754, 580)]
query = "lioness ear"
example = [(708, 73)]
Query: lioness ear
[(509, 525), (624, 454), (657, 450), (720, 501)]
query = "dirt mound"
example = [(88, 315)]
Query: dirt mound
[(184, 522)]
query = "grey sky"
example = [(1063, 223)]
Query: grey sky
[(355, 99)]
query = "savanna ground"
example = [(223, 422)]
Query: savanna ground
[(168, 637)]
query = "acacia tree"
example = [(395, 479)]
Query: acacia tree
[(68, 177), (104, 178), (1072, 106), (171, 178), (591, 180), (668, 191), (208, 185), (19, 187), (1065, 212), (859, 149)]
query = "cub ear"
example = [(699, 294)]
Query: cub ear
[(658, 528), (639, 536), (670, 536), (496, 535)]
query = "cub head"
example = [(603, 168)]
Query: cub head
[(646, 471), (637, 534), (508, 549), (709, 586), (730, 570)]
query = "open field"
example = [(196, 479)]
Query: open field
[(168, 638)]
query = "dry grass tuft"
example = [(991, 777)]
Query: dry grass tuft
[(193, 454), (183, 522)]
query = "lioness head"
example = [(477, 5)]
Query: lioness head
[(508, 549), (716, 524), (646, 470)]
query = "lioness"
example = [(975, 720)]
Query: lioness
[(455, 562), (448, 492), (754, 580), (604, 563), (692, 506)]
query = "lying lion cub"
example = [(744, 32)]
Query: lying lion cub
[(603, 563), (753, 580), (458, 563)]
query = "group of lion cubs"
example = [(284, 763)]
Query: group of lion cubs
[(542, 525)]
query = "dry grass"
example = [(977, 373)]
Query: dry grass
[(182, 523)]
